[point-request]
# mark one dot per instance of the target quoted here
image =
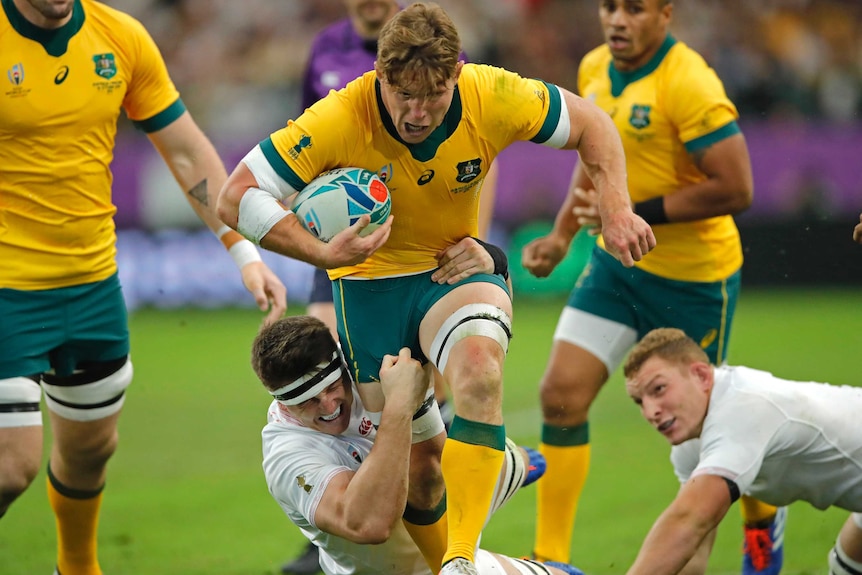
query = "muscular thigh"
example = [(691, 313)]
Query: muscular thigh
[(378, 317), (60, 328)]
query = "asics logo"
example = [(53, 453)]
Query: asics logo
[(61, 75)]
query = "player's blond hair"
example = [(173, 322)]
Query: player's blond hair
[(418, 49), (668, 343)]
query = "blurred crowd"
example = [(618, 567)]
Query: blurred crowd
[(239, 64)]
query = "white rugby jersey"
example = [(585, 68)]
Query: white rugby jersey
[(299, 462), (780, 441)]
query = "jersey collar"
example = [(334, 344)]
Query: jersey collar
[(56, 41), (426, 149), (619, 80)]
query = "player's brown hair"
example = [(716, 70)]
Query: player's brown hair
[(418, 49), (668, 343), (289, 348)]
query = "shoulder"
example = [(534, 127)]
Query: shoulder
[(681, 56), (123, 23), (600, 56), (597, 59)]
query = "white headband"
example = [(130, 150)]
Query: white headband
[(312, 383)]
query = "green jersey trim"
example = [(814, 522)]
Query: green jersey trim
[(56, 41), (555, 106), (164, 118), (709, 139), (619, 80), (426, 149), (280, 166)]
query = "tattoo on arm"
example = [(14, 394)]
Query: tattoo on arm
[(199, 192)]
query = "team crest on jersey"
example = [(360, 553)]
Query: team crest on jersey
[(16, 74), (307, 487), (467, 171), (640, 116), (304, 142), (106, 66)]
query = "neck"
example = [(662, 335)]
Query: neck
[(37, 18)]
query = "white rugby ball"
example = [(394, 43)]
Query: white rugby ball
[(335, 200)]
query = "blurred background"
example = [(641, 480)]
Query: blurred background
[(793, 68)]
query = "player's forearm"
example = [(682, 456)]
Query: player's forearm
[(566, 223), (603, 160), (707, 199), (377, 494), (668, 547)]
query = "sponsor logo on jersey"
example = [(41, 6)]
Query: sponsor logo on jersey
[(307, 487), (365, 426), (467, 171), (106, 66), (354, 453), (385, 173), (16, 74), (61, 75), (640, 116), (304, 142), (426, 177)]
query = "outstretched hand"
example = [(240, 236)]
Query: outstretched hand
[(268, 291)]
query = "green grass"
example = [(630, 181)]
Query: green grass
[(186, 494)]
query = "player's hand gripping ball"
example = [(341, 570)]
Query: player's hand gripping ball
[(335, 200)]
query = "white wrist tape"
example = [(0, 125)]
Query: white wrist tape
[(258, 213), (241, 250), (244, 252)]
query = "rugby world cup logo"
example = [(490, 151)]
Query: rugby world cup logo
[(16, 74)]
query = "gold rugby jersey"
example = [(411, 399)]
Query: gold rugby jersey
[(61, 97), (434, 185), (672, 106)]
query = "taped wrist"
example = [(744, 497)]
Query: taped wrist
[(240, 249), (501, 262), (652, 211)]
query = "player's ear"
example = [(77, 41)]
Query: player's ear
[(458, 67), (703, 372)]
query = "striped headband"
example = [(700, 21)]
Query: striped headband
[(312, 383)]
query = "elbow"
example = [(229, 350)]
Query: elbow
[(741, 200), (371, 532), (227, 206)]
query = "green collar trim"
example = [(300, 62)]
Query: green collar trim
[(619, 80), (427, 149), (55, 41)]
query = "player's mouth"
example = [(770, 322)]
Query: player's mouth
[(333, 416), (663, 428), (618, 43), (414, 130)]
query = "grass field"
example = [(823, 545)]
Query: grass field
[(186, 494)]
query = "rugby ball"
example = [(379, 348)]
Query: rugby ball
[(335, 200)]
